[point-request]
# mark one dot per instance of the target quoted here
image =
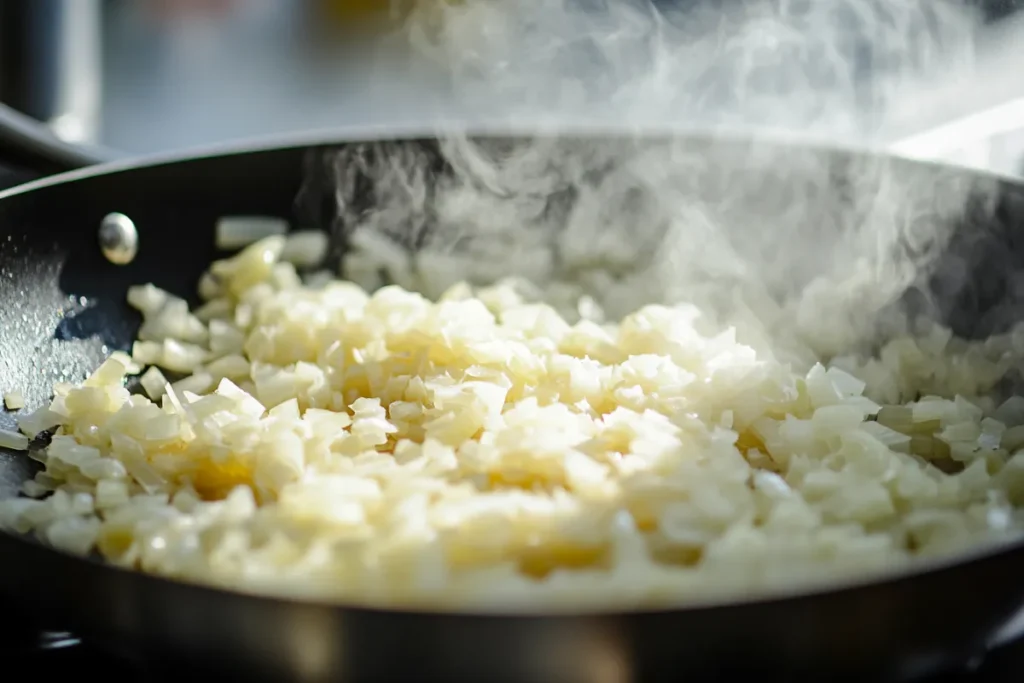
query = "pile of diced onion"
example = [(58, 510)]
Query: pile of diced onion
[(480, 451)]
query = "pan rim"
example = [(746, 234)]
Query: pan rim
[(341, 135), (334, 136)]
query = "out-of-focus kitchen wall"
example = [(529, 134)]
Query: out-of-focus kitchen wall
[(153, 75), (50, 66), (180, 73)]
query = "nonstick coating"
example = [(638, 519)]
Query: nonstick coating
[(62, 307)]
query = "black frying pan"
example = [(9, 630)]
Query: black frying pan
[(894, 629)]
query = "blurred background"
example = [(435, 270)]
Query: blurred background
[(149, 75), (144, 76)]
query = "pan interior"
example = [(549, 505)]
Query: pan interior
[(63, 304)]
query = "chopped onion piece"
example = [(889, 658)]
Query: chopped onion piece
[(209, 288), (1011, 412), (247, 404), (153, 383), (234, 367), (147, 299), (33, 489), (38, 421), (111, 372), (214, 309), (235, 232), (1012, 439), (305, 248), (900, 418), (198, 383), (964, 432), (893, 439), (225, 338), (147, 352), (111, 494), (13, 440), (181, 357), (73, 534), (14, 400), (131, 367)]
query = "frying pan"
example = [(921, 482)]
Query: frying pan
[(62, 308)]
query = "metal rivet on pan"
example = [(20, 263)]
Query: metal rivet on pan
[(119, 239)]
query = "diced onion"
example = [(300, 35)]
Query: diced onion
[(235, 232), (505, 445), (13, 440)]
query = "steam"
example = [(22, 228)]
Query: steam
[(807, 252), (833, 68)]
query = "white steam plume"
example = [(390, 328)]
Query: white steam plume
[(800, 248), (828, 67)]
